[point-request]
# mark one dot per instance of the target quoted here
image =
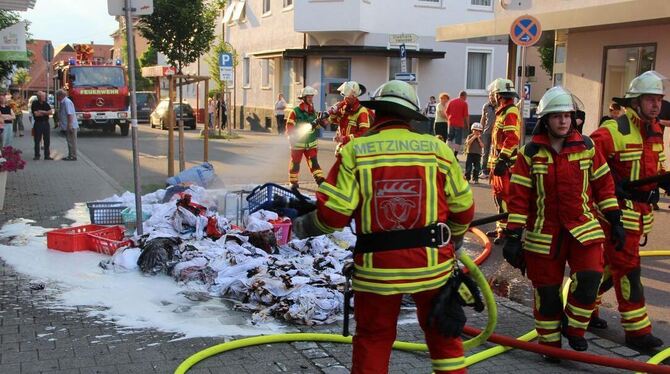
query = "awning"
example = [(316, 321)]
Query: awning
[(595, 16), (272, 53), (21, 5), (359, 50)]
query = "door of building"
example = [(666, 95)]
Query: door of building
[(334, 72)]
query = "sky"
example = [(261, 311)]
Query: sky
[(71, 21)]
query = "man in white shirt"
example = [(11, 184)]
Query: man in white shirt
[(67, 118)]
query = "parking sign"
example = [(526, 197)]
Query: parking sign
[(226, 67)]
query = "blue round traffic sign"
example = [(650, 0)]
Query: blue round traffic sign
[(525, 31)]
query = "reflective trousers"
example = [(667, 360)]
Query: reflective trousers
[(500, 194), (376, 319), (312, 163)]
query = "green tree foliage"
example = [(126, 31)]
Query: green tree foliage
[(213, 62), (149, 57), (182, 30), (20, 78), (7, 19), (546, 50)]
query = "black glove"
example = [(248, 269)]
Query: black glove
[(621, 189), (617, 232), (501, 167), (447, 315), (305, 226), (513, 249), (302, 203), (665, 185)]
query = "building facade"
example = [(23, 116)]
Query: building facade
[(283, 45)]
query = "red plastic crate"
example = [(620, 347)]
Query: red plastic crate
[(108, 240), (71, 239)]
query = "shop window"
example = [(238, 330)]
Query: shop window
[(621, 65), (478, 71)]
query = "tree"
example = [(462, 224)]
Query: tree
[(141, 83), (213, 62), (182, 30), (546, 50), (20, 78)]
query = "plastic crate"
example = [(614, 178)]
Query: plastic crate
[(282, 230), (105, 212), (72, 239), (108, 240), (261, 197)]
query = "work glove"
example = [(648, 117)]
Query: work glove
[(617, 232), (302, 204), (447, 315), (665, 185), (513, 249), (305, 226), (621, 189), (500, 167)]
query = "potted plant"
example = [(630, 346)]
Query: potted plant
[(10, 160)]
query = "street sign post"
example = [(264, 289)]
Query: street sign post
[(406, 77), (138, 7), (525, 31), (526, 100), (226, 72), (403, 58)]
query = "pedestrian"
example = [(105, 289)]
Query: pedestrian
[(488, 121), (440, 127), (31, 100), (430, 110), (504, 143), (41, 110), (458, 119), (633, 147), (352, 119), (615, 111), (395, 196), (68, 123), (211, 110), (17, 104), (222, 111), (473, 149), (557, 182), (8, 119), (301, 128), (280, 108)]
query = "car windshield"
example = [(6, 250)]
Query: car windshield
[(95, 76)]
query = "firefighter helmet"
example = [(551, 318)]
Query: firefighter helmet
[(308, 91), (396, 97), (503, 87), (351, 88), (556, 100), (648, 83), (476, 126)]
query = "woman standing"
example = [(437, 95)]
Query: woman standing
[(280, 107)]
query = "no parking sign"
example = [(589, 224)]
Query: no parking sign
[(525, 31)]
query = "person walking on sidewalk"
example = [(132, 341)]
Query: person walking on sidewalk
[(633, 147), (458, 119), (396, 194), (301, 131), (41, 110), (473, 149), (8, 119), (280, 108), (17, 104), (488, 121), (68, 123), (557, 181)]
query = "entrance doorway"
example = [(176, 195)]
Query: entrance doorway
[(334, 72)]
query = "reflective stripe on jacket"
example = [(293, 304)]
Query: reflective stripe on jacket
[(634, 150), (505, 133), (395, 179), (351, 122), (550, 191)]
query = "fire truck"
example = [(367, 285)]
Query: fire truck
[(98, 90)]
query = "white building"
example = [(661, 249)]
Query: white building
[(284, 44)]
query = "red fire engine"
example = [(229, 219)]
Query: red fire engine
[(99, 91)]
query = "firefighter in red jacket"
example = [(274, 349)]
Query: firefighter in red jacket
[(301, 130), (404, 191), (633, 146), (557, 182), (504, 143), (352, 119)]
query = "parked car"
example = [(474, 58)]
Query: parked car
[(159, 116), (146, 103)]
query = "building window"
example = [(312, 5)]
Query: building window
[(621, 65), (481, 3), (246, 65), (266, 73), (287, 3), (478, 69), (394, 66), (266, 6), (430, 3)]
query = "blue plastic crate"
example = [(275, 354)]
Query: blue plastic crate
[(261, 197), (105, 212)]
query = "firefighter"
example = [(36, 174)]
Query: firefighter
[(504, 144), (557, 181), (352, 119), (633, 147), (302, 134), (405, 191)]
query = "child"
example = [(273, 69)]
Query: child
[(473, 148)]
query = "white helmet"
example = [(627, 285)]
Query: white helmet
[(648, 83), (351, 88), (502, 86), (308, 91), (556, 100), (476, 126), (397, 97)]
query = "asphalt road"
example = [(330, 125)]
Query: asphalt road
[(257, 158)]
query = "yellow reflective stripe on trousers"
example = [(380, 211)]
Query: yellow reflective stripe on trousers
[(396, 288), (400, 274), (630, 219), (577, 324), (547, 325), (634, 313), (579, 311), (549, 338), (448, 364), (633, 326)]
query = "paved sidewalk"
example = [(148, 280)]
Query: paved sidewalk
[(36, 338)]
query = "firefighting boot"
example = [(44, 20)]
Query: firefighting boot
[(597, 323), (645, 342), (578, 343)]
